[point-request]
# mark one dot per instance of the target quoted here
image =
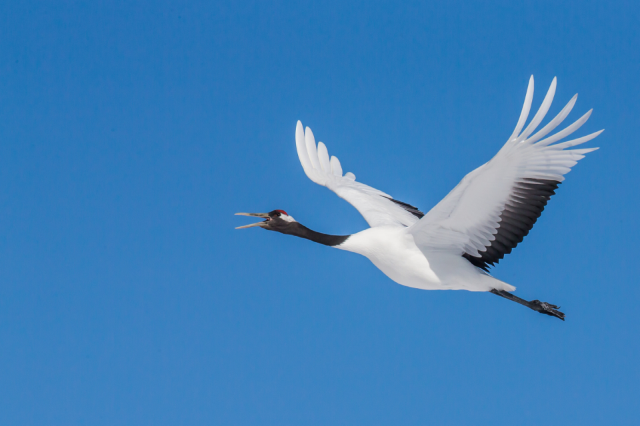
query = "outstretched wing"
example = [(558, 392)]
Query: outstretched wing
[(377, 208), (495, 206)]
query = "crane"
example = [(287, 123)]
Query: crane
[(483, 218)]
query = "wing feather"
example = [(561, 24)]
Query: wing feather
[(336, 168), (525, 110), (310, 143), (323, 156), (301, 147)]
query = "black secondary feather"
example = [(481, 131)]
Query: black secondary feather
[(527, 200)]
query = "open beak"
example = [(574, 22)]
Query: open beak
[(265, 215)]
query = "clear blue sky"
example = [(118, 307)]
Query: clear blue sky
[(130, 132)]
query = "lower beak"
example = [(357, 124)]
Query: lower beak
[(265, 215)]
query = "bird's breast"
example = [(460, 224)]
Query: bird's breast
[(394, 252)]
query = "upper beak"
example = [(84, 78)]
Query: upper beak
[(265, 215)]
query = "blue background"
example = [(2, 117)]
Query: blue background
[(130, 132)]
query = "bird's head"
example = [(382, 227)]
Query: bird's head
[(276, 220)]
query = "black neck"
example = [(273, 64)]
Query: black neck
[(303, 232)]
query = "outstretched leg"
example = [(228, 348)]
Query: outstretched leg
[(536, 305)]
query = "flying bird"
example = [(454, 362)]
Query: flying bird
[(483, 218)]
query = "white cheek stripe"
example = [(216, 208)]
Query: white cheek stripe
[(287, 218)]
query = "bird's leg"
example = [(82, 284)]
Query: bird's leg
[(536, 305)]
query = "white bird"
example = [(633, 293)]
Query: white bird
[(483, 218)]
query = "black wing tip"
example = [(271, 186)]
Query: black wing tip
[(478, 262), (408, 207)]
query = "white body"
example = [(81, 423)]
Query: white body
[(393, 250), (483, 218)]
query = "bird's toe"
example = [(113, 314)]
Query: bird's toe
[(548, 309)]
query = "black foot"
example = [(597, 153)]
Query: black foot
[(536, 305), (546, 308)]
